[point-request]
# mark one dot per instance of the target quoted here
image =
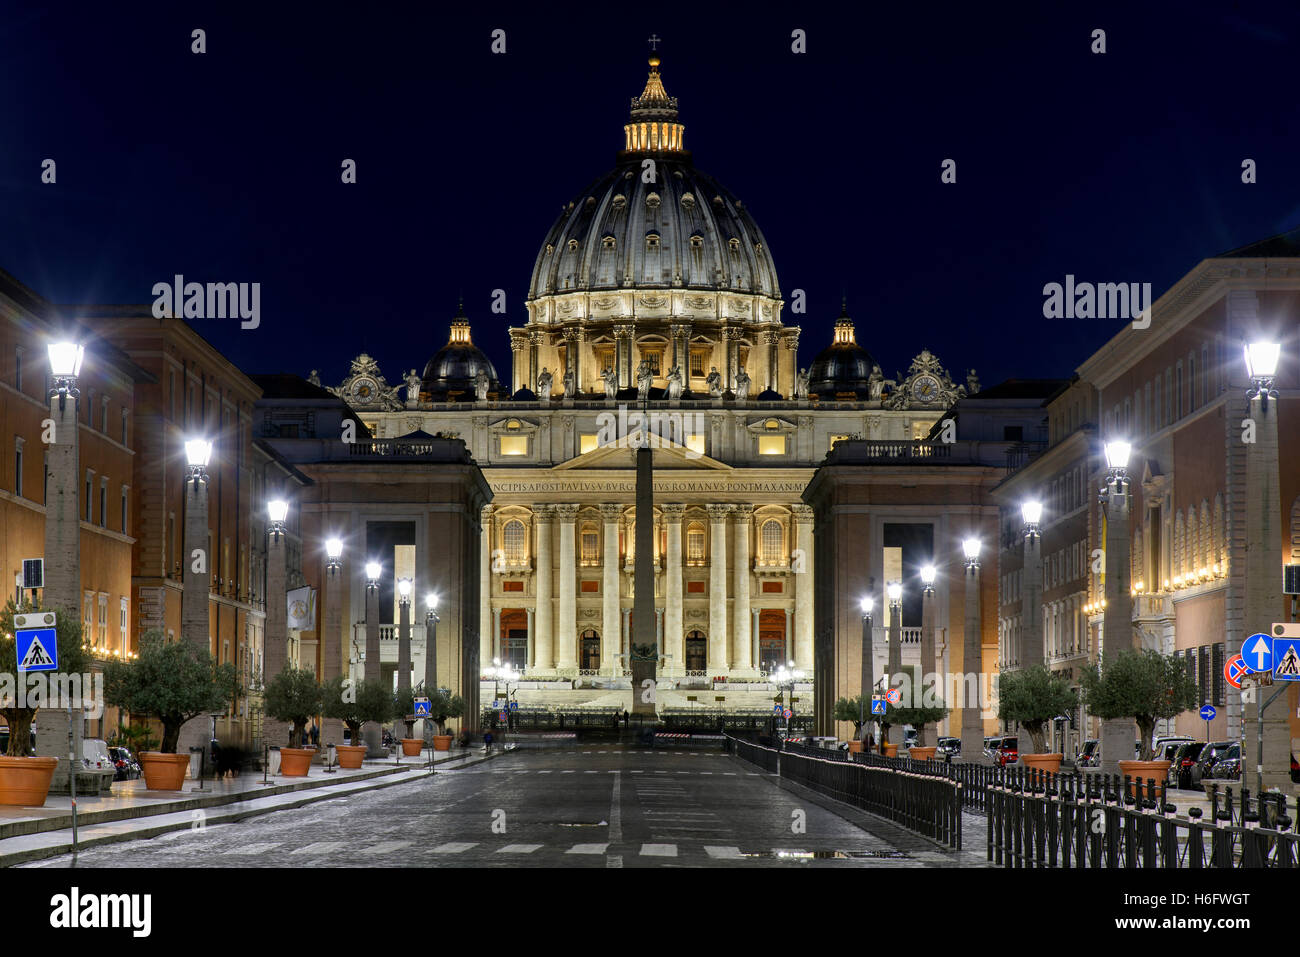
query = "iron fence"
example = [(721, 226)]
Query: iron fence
[(927, 804), (1043, 820)]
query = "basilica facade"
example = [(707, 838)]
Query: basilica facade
[(655, 316)]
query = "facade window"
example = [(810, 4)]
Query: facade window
[(698, 357), (587, 442), (771, 445), (695, 544), (1158, 410), (103, 503), (125, 490), (771, 542), (123, 621), (18, 369), (1191, 382), (18, 466), (103, 415), (513, 536), (90, 504), (1178, 386), (514, 444), (88, 617), (590, 545), (1169, 396), (124, 418), (103, 619), (1205, 374)]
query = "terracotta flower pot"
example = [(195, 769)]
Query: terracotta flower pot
[(1141, 770), (921, 754), (294, 762), (164, 772), (411, 747), (891, 750), (1051, 763), (442, 742), (24, 782), (349, 756), (855, 747)]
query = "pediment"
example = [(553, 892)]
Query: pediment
[(622, 455)]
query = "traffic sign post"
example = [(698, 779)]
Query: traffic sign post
[(422, 709), (894, 696), (1286, 658), (1207, 715), (1234, 669), (877, 704), (36, 642), (1257, 652)]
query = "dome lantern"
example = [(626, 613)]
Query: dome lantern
[(653, 127)]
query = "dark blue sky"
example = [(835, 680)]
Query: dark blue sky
[(225, 167)]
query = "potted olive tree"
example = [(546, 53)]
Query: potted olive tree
[(24, 778), (1033, 697), (847, 709), (404, 711), (354, 703), (443, 705), (171, 682), (294, 696), (1145, 686)]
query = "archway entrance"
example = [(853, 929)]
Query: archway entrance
[(589, 643), (514, 638), (696, 651), (771, 639)]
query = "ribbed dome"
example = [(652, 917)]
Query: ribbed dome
[(843, 367), (451, 374), (684, 230)]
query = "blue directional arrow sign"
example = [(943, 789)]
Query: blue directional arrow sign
[(1208, 713), (1257, 652), (1286, 659), (38, 649)]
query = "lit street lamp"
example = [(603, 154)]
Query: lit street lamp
[(1117, 601), (1031, 616), (403, 634), (196, 577), (431, 643), (371, 731), (332, 728), (785, 677), (868, 664), (972, 721), (927, 737), (1268, 731)]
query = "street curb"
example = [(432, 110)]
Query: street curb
[(321, 792)]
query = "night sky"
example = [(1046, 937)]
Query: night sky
[(1122, 167)]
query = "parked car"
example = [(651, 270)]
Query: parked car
[(1161, 750), (1228, 766), (1295, 770), (125, 764), (1089, 755), (1005, 750), (910, 737), (94, 754), (1209, 756), (948, 746), (1182, 768)]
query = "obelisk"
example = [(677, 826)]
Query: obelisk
[(643, 602)]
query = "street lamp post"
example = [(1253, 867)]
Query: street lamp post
[(1117, 606), (972, 720), (785, 677), (62, 593), (403, 634), (431, 620), (1030, 651), (372, 732), (332, 655), (927, 738), (895, 592), (1267, 728), (275, 640), (196, 627), (868, 666)]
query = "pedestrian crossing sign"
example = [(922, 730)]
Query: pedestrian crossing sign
[(1286, 659), (38, 649)]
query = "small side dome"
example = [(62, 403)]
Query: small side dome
[(843, 369), (524, 395), (452, 374)]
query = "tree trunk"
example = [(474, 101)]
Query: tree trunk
[(295, 736), (355, 728), (20, 730), (171, 735), (1146, 729), (1037, 736), (410, 728)]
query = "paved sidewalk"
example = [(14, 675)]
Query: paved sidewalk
[(132, 812)]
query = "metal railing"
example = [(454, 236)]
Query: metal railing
[(927, 804), (1043, 820)]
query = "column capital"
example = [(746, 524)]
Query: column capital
[(718, 513), (733, 332), (574, 333), (566, 513), (803, 514), (679, 328), (485, 513), (624, 330), (742, 513), (673, 511), (611, 512), (543, 513)]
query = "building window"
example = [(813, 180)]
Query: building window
[(18, 466), (88, 617), (18, 369), (654, 357), (587, 442), (695, 544), (514, 444), (123, 621), (90, 504), (771, 543), (695, 442), (698, 357), (590, 544), (125, 490), (124, 418), (103, 619), (771, 445), (513, 535), (103, 415), (103, 503), (1178, 385)]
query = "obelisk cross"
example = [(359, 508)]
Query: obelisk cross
[(654, 41)]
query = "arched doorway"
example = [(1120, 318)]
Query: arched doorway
[(514, 638), (771, 639), (589, 646), (697, 647)]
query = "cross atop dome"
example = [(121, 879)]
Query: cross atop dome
[(654, 127)]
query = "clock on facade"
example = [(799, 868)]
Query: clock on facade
[(926, 388), (363, 388)]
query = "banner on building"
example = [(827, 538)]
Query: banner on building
[(302, 608)]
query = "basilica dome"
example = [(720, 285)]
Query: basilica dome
[(683, 229), (843, 370), (451, 374)]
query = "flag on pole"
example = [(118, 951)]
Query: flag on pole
[(302, 608)]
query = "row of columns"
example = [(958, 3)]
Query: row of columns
[(731, 643)]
